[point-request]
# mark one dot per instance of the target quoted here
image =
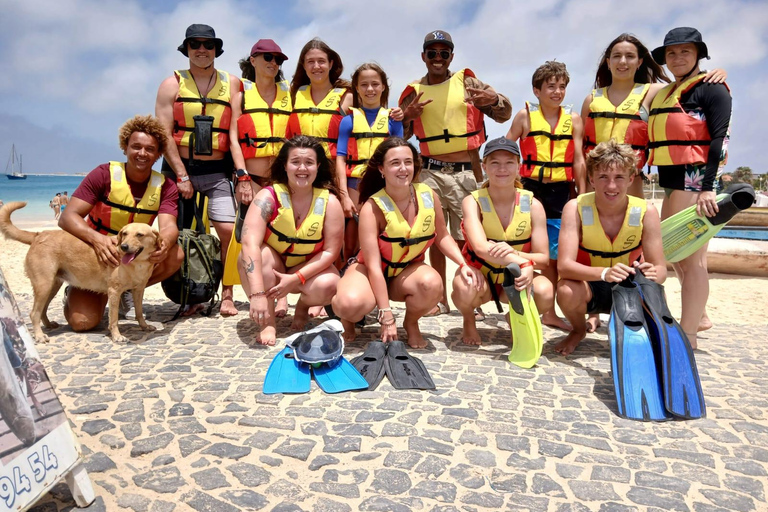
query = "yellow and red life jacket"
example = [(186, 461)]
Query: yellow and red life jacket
[(189, 104), (364, 139), (120, 208), (623, 123), (677, 137), (297, 244), (322, 120), (596, 249), (261, 127), (401, 243), (517, 234), (547, 152), (448, 124)]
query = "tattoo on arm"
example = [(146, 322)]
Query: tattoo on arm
[(250, 267), (265, 207)]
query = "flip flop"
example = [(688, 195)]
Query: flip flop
[(479, 315)]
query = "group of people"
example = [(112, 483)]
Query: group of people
[(58, 204), (313, 189)]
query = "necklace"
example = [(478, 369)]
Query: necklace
[(207, 87), (411, 200)]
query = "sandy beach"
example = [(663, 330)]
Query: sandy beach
[(177, 420)]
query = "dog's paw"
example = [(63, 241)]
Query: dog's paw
[(147, 327), (119, 338), (52, 325), (41, 338)]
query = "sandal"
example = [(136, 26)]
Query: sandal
[(479, 315), (439, 309)]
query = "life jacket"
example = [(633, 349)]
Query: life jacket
[(596, 249), (517, 234), (400, 243), (677, 137), (449, 124), (120, 208), (261, 127), (364, 139), (548, 152), (297, 244), (622, 123), (322, 120), (189, 104)]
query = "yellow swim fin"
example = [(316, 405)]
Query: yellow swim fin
[(524, 321)]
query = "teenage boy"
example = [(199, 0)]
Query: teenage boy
[(552, 162), (606, 235)]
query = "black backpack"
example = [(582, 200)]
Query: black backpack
[(197, 280)]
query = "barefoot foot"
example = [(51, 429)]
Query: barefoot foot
[(227, 307), (593, 322), (317, 312), (281, 307), (415, 339), (349, 334), (569, 344), (300, 317), (552, 320), (469, 334), (267, 336), (193, 309), (705, 324)]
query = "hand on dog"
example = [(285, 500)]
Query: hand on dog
[(106, 250), (160, 254)]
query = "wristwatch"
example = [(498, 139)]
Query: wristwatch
[(242, 175)]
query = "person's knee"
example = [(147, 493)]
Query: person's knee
[(569, 293), (429, 286), (80, 322), (462, 293), (350, 304), (326, 284)]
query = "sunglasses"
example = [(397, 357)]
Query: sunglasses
[(269, 56), (444, 54), (208, 45)]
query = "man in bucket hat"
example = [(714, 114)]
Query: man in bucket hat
[(195, 106), (450, 132), (688, 130)]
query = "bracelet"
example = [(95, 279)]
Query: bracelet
[(380, 316), (604, 273), (528, 263), (463, 264), (262, 293), (182, 179), (301, 277), (387, 324)]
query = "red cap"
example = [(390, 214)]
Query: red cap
[(267, 46)]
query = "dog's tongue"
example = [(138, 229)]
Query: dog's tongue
[(128, 257)]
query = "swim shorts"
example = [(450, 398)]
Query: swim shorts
[(211, 178), (451, 188), (602, 297)]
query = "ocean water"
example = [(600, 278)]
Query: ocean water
[(37, 190)]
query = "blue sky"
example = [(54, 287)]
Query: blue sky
[(76, 69)]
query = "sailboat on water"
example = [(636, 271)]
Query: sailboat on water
[(14, 164)]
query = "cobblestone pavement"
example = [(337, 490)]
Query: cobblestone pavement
[(177, 421)]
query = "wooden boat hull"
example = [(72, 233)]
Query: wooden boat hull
[(754, 216)]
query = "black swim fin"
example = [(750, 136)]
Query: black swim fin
[(683, 396), (404, 370), (370, 363)]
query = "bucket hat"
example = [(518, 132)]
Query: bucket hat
[(680, 35), (200, 31)]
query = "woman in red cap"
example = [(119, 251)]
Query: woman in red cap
[(261, 108), (688, 133)]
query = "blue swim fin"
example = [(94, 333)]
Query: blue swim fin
[(635, 373), (683, 396), (338, 376), (286, 375)]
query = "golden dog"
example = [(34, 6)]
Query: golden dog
[(58, 256)]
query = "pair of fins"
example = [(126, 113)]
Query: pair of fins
[(524, 321), (287, 375), (686, 232), (654, 369), (393, 360)]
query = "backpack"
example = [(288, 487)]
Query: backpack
[(197, 280)]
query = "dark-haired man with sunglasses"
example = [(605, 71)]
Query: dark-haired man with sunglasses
[(446, 113), (195, 107)]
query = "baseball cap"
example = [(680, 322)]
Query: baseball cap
[(438, 36), (501, 144)]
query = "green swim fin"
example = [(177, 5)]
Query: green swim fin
[(286, 375), (524, 321), (685, 232)]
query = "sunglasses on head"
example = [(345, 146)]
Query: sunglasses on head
[(444, 54), (269, 56), (208, 45)]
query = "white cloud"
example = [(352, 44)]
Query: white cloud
[(105, 59)]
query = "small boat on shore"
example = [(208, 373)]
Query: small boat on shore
[(754, 216), (14, 164)]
